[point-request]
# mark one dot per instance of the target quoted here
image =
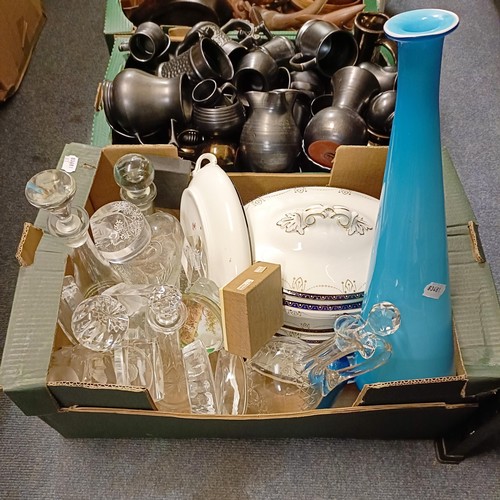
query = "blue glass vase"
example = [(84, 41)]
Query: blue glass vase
[(409, 262)]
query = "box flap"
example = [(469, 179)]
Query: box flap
[(458, 208), (476, 309), (70, 394), (359, 168), (28, 244), (251, 185), (424, 421), (30, 333)]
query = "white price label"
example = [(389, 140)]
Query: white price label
[(245, 284), (434, 290), (70, 163), (260, 269)]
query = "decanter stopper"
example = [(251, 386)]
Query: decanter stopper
[(53, 190), (383, 319), (100, 323), (166, 312), (135, 174)]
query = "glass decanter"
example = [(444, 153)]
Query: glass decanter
[(137, 360), (165, 316), (53, 190), (166, 231), (141, 250), (353, 335), (134, 173)]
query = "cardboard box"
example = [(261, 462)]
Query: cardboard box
[(117, 24), (252, 308), (427, 408), (21, 23), (117, 31)]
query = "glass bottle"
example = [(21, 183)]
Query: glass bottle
[(200, 379), (165, 316), (204, 318), (53, 190)]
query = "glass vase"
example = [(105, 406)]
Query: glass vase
[(409, 262)]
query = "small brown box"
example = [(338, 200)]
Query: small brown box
[(252, 308)]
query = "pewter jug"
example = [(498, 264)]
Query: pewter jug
[(270, 140)]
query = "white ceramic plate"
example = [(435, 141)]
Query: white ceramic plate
[(211, 214), (321, 236)]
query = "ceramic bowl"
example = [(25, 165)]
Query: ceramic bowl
[(212, 218)]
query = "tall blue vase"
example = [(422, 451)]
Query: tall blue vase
[(409, 263)]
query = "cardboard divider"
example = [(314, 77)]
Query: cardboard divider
[(69, 394), (359, 168)]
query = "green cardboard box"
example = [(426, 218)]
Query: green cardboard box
[(428, 408), (115, 22)]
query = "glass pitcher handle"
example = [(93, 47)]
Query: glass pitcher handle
[(332, 377)]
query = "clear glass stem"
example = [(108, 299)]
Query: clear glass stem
[(332, 377)]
